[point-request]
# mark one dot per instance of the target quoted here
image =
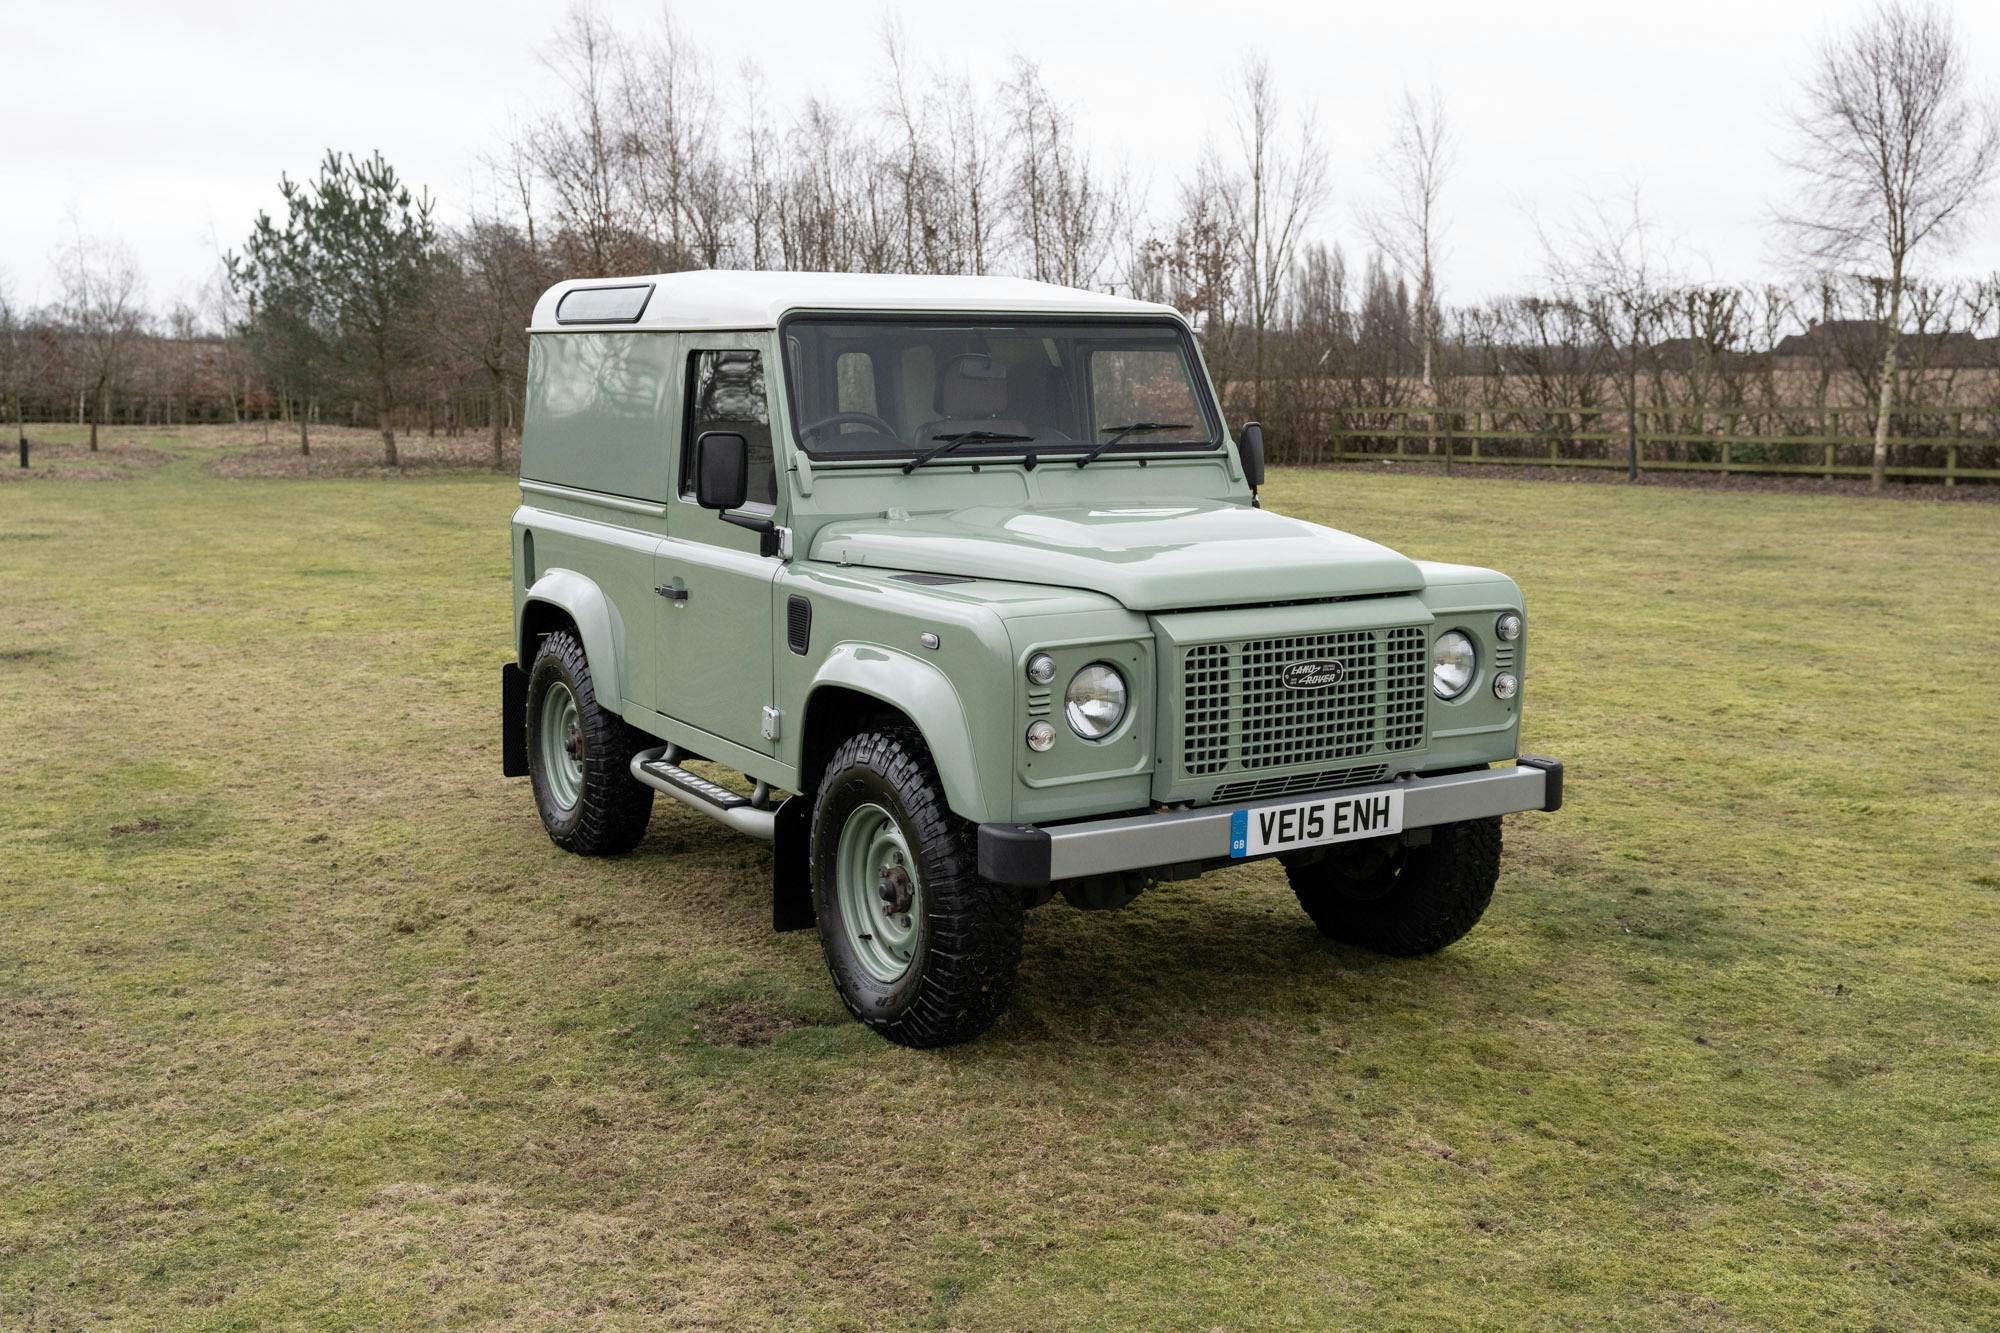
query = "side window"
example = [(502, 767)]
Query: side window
[(726, 392)]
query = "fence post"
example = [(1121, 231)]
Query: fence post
[(1725, 453), (1827, 463), (1951, 450)]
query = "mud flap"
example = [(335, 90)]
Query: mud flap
[(513, 721), (791, 865)]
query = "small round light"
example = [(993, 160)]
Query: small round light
[(1041, 736), (1505, 686), (1041, 668), (1508, 626), (1452, 664), (1095, 701)]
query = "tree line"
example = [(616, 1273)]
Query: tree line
[(353, 302)]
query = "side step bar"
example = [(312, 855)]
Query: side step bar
[(657, 769)]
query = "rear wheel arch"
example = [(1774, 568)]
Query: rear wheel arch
[(538, 621), (565, 599)]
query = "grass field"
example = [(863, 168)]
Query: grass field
[(302, 1019)]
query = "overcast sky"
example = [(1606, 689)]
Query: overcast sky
[(166, 125)]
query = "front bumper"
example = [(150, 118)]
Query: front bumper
[(1033, 857)]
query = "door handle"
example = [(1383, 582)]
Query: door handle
[(673, 592)]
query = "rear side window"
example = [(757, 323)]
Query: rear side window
[(726, 392)]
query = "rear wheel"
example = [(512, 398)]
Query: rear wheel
[(920, 948), (578, 755), (1391, 898)]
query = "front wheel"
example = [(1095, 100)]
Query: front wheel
[(1391, 898), (920, 948)]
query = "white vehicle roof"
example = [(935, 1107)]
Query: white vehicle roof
[(746, 299)]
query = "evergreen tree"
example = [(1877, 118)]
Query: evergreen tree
[(343, 282)]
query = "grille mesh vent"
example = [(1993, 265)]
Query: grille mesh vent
[(1315, 781), (798, 624), (1239, 717)]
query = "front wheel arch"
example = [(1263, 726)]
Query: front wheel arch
[(852, 688)]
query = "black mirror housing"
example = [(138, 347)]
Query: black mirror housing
[(721, 470), (1250, 447)]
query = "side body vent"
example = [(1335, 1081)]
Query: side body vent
[(799, 624)]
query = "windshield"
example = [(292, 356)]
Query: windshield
[(924, 388)]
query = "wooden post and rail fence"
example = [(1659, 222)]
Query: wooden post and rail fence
[(1556, 437)]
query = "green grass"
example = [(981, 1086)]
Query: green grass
[(302, 1019)]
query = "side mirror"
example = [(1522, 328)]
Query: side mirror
[(722, 483), (721, 470), (1250, 446)]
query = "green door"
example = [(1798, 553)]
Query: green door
[(715, 662)]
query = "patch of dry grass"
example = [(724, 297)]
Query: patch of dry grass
[(251, 450), (302, 1020)]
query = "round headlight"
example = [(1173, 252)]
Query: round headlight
[(1040, 736), (1095, 701), (1505, 686), (1508, 626), (1452, 664), (1041, 668)]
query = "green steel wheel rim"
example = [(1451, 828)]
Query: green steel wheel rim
[(880, 892), (562, 745)]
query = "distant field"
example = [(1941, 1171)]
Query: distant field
[(302, 1019)]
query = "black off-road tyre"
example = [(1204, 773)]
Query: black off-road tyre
[(610, 808), (1404, 901), (965, 933)]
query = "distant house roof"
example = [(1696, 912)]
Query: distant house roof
[(1686, 349), (1942, 350), (746, 299)]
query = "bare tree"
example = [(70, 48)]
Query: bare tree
[(1409, 226), (1065, 208), (1282, 186), (576, 150), (1613, 268), (942, 163), (665, 145), (1894, 155), (480, 301), (101, 302)]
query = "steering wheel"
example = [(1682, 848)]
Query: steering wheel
[(880, 426)]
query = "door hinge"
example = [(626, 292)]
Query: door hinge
[(774, 719)]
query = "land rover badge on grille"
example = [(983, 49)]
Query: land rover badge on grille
[(1316, 675)]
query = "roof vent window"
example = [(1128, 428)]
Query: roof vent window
[(603, 305)]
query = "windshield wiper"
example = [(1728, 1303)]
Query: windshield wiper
[(946, 443), (1131, 429)]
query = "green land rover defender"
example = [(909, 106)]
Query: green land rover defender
[(956, 591)]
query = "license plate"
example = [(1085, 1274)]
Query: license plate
[(1280, 828)]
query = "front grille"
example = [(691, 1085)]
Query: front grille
[(1240, 717)]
